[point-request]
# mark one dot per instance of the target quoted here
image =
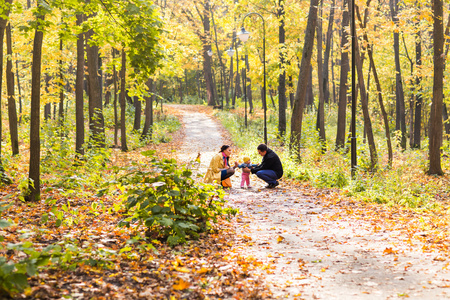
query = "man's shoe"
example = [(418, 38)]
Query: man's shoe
[(276, 184), (270, 186)]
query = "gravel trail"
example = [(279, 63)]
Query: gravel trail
[(307, 252)]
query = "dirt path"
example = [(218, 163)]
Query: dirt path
[(308, 250)]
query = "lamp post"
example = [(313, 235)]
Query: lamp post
[(353, 121), (243, 36)]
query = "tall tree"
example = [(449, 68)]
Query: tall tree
[(137, 113), (326, 56), (248, 85), (342, 103), (320, 122), (61, 84), (12, 111), (299, 103), (222, 64), (79, 101), (35, 141), (123, 129), (435, 135), (3, 21), (95, 96), (116, 118), (378, 85), (400, 123), (365, 109), (418, 93), (148, 124), (47, 106), (282, 101)]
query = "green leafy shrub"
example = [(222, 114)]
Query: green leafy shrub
[(166, 199), (335, 179), (14, 273)]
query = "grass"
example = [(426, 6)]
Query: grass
[(405, 184)]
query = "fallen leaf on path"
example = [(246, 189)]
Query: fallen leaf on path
[(181, 285), (389, 251)]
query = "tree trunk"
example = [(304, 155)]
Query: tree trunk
[(230, 80), (238, 90), (418, 89), (180, 89), (61, 86), (379, 94), (47, 106), (161, 98), (19, 90), (123, 129), (320, 122), (2, 35), (326, 56), (116, 117), (79, 99), (95, 96), (197, 81), (282, 101), (342, 104), (108, 82), (12, 111), (447, 47), (35, 141), (137, 113), (222, 65), (147, 130), (248, 84), (100, 75), (186, 82), (299, 103), (332, 74), (400, 97), (207, 62), (291, 94), (365, 109), (309, 101), (435, 135)]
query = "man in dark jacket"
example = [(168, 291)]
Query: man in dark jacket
[(270, 169)]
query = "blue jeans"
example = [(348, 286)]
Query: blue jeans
[(268, 176)]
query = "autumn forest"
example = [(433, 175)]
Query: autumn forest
[(111, 112)]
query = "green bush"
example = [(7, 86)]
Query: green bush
[(14, 273), (169, 203), (335, 179)]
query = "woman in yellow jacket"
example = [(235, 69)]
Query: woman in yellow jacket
[(219, 167)]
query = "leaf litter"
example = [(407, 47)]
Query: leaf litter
[(293, 242)]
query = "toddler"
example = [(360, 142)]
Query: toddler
[(246, 176)]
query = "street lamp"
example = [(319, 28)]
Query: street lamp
[(243, 36), (230, 52)]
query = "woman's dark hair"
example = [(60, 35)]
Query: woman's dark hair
[(224, 147), (262, 147)]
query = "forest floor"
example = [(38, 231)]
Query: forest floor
[(292, 242), (315, 244)]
